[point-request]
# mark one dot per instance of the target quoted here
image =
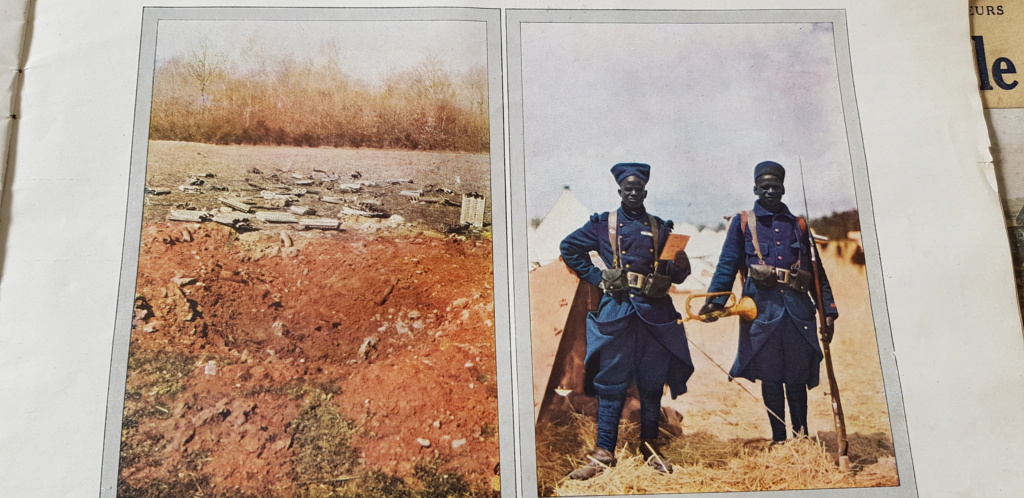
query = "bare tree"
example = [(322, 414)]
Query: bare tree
[(204, 66)]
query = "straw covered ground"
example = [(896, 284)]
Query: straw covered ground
[(725, 446)]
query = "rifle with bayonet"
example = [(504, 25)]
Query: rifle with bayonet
[(833, 386)]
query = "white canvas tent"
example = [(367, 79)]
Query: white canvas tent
[(565, 216)]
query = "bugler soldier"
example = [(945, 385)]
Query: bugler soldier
[(770, 247), (633, 336)]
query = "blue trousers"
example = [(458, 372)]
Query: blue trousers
[(632, 357)]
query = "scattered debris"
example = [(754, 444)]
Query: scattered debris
[(423, 442), (233, 220), (357, 212), (286, 240), (298, 176), (356, 175), (274, 217), (321, 223), (332, 200), (304, 182), (348, 187), (182, 281), (400, 180), (188, 215), (449, 202), (190, 189), (211, 368), (302, 210), (256, 171), (456, 444), (158, 191), (472, 209), (411, 193), (235, 203)]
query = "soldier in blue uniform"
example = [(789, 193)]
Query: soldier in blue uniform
[(771, 248), (633, 336)]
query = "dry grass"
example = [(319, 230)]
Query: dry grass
[(723, 447), (702, 463)]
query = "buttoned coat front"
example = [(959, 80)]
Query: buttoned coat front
[(622, 316), (783, 244)]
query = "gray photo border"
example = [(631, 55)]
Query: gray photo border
[(862, 186), (136, 184)]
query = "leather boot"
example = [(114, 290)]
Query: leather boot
[(597, 460), (651, 452)]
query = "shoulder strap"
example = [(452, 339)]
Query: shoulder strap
[(803, 224), (613, 223), (743, 221), (654, 235), (752, 223)]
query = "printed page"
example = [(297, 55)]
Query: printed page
[(90, 232), (997, 41)]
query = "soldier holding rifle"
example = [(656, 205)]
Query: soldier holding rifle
[(633, 336), (771, 248)]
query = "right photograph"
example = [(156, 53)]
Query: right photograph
[(705, 307)]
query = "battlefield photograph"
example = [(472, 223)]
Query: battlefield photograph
[(314, 311), (701, 318)]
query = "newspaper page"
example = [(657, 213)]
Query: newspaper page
[(243, 356), (997, 42)]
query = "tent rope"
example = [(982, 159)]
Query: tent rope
[(752, 395)]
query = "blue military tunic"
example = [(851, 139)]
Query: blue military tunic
[(630, 329), (781, 344)]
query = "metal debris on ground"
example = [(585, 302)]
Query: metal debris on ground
[(158, 191), (397, 181), (332, 200), (411, 193), (321, 223), (302, 210), (275, 217), (233, 220), (472, 209), (187, 215), (348, 187), (190, 189), (359, 212), (449, 202), (298, 192), (235, 203), (304, 182)]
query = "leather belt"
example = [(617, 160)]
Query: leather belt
[(635, 280), (783, 274)]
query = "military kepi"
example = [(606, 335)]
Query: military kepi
[(770, 168), (622, 171)]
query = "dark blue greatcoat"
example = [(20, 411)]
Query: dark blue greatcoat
[(625, 319), (780, 310)]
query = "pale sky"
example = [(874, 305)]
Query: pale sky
[(701, 103), (365, 50)]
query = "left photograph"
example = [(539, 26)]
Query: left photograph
[(309, 288)]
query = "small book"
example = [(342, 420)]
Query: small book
[(676, 242)]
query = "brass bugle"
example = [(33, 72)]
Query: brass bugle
[(745, 308)]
